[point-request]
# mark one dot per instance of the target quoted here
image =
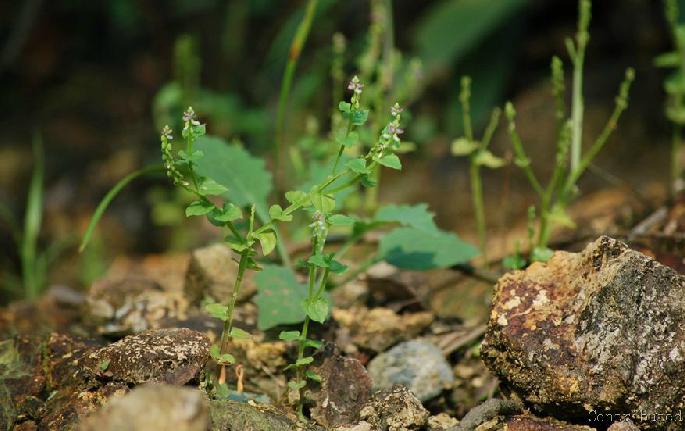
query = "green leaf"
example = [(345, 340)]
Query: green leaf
[(463, 147), (217, 310), (289, 335), (318, 260), (416, 216), (541, 254), (341, 220), (411, 248), (304, 361), (209, 187), (276, 213), (317, 309), (313, 344), (225, 359), (221, 216), (345, 107), (236, 244), (322, 202), (312, 376), (239, 334), (391, 161), (199, 208), (104, 364), (336, 267), (279, 296), (486, 158), (359, 117), (268, 241), (244, 175), (297, 197), (357, 165)]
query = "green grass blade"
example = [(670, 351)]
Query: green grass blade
[(114, 191), (33, 220)]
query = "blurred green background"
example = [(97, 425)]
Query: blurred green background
[(97, 78)]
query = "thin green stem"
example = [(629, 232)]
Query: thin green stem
[(477, 196), (288, 74), (522, 159), (228, 323), (577, 54)]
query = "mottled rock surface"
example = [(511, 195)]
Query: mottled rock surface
[(530, 423), (345, 387), (211, 273), (394, 409), (173, 356), (152, 407), (377, 329), (418, 364), (236, 416), (598, 331)]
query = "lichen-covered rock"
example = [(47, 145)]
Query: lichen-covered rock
[(441, 422), (237, 416), (152, 407), (173, 356), (21, 380), (345, 387), (394, 409), (418, 364), (377, 329), (211, 273), (624, 425), (598, 331)]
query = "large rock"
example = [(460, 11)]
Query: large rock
[(152, 407), (592, 332), (211, 273), (173, 356), (237, 416), (417, 364)]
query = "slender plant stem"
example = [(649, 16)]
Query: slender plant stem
[(228, 323), (477, 196), (288, 74), (577, 54)]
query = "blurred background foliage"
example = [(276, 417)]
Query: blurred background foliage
[(98, 79)]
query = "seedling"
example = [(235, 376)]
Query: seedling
[(479, 155), (561, 189), (675, 89)]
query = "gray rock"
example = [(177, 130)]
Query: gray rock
[(394, 409), (592, 332), (173, 356), (211, 273), (152, 407), (418, 364)]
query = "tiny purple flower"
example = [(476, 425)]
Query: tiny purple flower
[(189, 114), (395, 130), (166, 133)]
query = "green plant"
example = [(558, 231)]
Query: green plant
[(479, 155), (561, 188), (34, 261), (675, 89)]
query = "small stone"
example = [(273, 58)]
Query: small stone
[(417, 364), (377, 329), (600, 330), (174, 356), (345, 387), (211, 273), (152, 407), (394, 409), (441, 422)]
